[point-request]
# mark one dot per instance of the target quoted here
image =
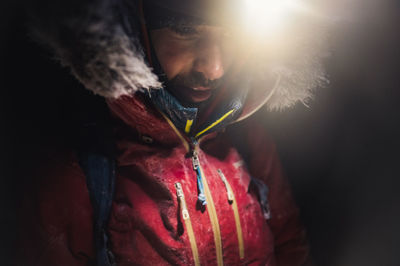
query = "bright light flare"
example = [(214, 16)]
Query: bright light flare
[(264, 17)]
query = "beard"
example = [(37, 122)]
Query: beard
[(193, 89)]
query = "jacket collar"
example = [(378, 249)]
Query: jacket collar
[(186, 118)]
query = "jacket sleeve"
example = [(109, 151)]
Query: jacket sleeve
[(55, 217), (290, 243)]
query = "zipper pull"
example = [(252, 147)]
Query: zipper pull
[(195, 161), (196, 167), (229, 192), (181, 197)]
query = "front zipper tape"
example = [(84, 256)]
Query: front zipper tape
[(212, 213), (188, 223), (232, 201)]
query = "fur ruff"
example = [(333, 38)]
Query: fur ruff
[(99, 42)]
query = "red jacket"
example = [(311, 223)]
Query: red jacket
[(155, 219)]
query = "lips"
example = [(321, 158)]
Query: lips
[(201, 88), (191, 94), (198, 94)]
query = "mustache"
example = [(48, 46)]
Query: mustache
[(195, 79)]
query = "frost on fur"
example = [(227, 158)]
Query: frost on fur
[(296, 59), (93, 41), (297, 85), (117, 69)]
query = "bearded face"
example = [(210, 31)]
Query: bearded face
[(195, 60)]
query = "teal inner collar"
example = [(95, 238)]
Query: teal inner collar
[(171, 107), (185, 118)]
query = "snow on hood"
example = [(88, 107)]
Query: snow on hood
[(98, 41)]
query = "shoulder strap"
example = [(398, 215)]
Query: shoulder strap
[(100, 180), (97, 160)]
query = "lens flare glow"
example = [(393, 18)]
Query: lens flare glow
[(267, 16)]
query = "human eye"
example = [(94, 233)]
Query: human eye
[(184, 31)]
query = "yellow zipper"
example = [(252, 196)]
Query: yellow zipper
[(215, 123), (182, 138), (188, 223), (213, 218), (232, 201)]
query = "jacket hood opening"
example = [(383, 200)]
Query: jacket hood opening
[(100, 42)]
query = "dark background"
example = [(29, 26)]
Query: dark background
[(340, 153)]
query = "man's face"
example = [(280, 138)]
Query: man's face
[(195, 60)]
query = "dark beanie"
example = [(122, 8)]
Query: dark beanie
[(157, 17)]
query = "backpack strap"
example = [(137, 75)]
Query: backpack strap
[(96, 153), (100, 180)]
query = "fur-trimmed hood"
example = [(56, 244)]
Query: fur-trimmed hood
[(99, 41)]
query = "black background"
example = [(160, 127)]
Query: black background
[(340, 153)]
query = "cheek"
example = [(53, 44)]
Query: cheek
[(233, 53), (229, 54), (174, 57)]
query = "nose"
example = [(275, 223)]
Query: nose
[(209, 60)]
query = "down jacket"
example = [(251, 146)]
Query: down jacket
[(155, 216)]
